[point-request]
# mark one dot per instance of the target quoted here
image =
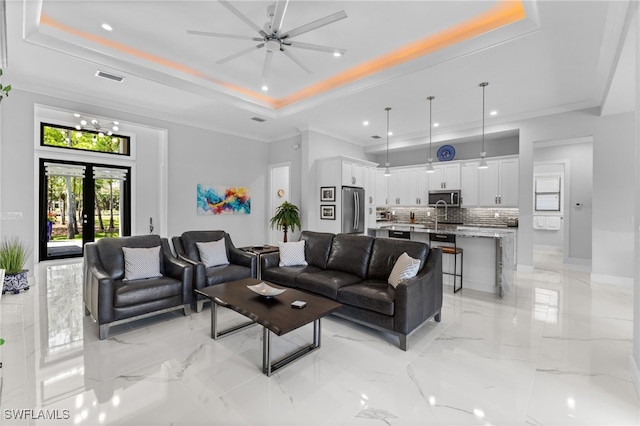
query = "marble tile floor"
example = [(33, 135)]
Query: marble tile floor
[(555, 351)]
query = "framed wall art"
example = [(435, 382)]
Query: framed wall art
[(327, 194), (221, 199), (327, 212)]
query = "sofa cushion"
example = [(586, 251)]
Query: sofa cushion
[(141, 263), (372, 295), (317, 247), (350, 254), (111, 254), (386, 252), (292, 254), (133, 292), (190, 238), (286, 275), (225, 273), (213, 253), (406, 267), (325, 282)]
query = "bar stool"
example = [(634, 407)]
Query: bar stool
[(455, 251)]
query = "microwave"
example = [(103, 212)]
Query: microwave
[(450, 198)]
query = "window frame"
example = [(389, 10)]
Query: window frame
[(125, 139)]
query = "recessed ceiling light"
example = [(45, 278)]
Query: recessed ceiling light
[(76, 115), (115, 123), (83, 122), (390, 133), (494, 112), (265, 88), (115, 128), (436, 124), (365, 123), (337, 54), (107, 27)]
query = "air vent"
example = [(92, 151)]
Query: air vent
[(258, 119), (375, 137), (108, 76)]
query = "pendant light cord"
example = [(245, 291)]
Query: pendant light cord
[(483, 85), (387, 109)]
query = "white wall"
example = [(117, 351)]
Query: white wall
[(207, 157)]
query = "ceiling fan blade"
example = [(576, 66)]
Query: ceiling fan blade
[(267, 64), (210, 34), (315, 24), (317, 47), (242, 17), (296, 60), (240, 53), (278, 15)]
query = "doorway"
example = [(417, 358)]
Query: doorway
[(279, 192), (81, 203)]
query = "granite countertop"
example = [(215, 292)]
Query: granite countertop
[(461, 230)]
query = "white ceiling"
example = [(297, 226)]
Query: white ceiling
[(561, 56)]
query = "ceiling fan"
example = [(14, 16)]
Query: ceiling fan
[(273, 39)]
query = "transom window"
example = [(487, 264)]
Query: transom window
[(85, 140)]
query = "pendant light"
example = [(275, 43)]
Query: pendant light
[(483, 162), (387, 172), (429, 168)]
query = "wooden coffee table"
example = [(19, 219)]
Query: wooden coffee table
[(275, 314)]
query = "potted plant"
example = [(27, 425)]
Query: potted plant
[(4, 90), (287, 218), (13, 256)]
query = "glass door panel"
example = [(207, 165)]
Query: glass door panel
[(81, 203)]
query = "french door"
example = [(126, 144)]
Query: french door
[(80, 203)]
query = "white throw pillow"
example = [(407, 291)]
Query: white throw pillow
[(292, 254), (140, 263), (213, 253), (406, 267)]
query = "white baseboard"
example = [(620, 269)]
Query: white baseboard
[(611, 279), (634, 371)]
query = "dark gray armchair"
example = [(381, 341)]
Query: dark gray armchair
[(112, 300), (241, 265)]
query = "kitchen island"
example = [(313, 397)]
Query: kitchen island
[(489, 253)]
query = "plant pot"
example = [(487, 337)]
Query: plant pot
[(15, 282)]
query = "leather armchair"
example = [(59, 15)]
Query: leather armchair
[(241, 264), (111, 301)]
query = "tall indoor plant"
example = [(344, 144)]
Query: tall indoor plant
[(13, 256), (287, 218)]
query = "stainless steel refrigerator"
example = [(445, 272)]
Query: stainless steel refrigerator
[(352, 210)]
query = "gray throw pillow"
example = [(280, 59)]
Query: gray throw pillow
[(141, 263)]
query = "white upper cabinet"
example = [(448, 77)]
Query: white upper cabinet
[(499, 183), (445, 176), (382, 188), (469, 186), (353, 174)]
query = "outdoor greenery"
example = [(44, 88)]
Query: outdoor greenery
[(287, 218), (80, 139), (13, 255), (4, 90)]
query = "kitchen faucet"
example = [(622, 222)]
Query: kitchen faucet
[(445, 211)]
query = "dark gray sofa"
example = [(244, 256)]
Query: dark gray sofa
[(354, 269), (111, 301), (241, 265)]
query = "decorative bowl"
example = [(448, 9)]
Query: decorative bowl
[(263, 289)]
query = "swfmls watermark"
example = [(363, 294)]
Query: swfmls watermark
[(31, 414)]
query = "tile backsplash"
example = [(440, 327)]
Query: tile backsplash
[(474, 216)]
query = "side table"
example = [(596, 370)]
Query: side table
[(258, 251)]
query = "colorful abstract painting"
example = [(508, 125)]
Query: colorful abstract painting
[(219, 199)]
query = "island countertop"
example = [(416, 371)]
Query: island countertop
[(461, 230)]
